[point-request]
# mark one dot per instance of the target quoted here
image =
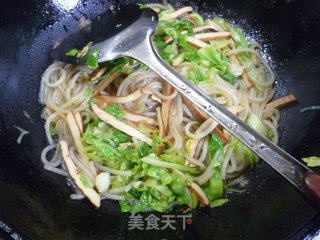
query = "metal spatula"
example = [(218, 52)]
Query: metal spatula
[(136, 41)]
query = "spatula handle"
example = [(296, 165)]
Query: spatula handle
[(311, 184)]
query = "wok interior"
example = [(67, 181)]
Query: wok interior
[(269, 207)]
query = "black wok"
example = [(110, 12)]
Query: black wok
[(36, 202)]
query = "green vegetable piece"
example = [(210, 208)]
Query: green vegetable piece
[(214, 189), (219, 202), (155, 184), (188, 145), (239, 38), (216, 59), (119, 137), (270, 134), (52, 130), (170, 52), (161, 206), (156, 142), (115, 111), (174, 157), (117, 65), (218, 44), (143, 67), (312, 161), (198, 20), (148, 197), (91, 61), (183, 197), (229, 77), (254, 122), (172, 29), (144, 150), (101, 143), (135, 192), (159, 173), (209, 75), (89, 92), (178, 59), (195, 200), (190, 52), (178, 183), (215, 144), (105, 148), (84, 181), (72, 53), (167, 52), (236, 33), (141, 206), (178, 189), (197, 74), (164, 15), (156, 161), (241, 152), (142, 5)]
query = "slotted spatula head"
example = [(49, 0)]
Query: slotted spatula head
[(104, 27)]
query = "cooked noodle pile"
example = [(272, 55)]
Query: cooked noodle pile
[(144, 95)]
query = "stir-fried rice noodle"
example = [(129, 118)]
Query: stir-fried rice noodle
[(64, 89)]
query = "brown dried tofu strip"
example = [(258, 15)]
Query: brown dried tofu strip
[(123, 99), (196, 189), (197, 43), (134, 117), (105, 83), (90, 193), (221, 135), (160, 122), (206, 37), (204, 27), (75, 131), (97, 73), (166, 105), (234, 58), (281, 101), (110, 119), (180, 12), (101, 101), (200, 116), (78, 119)]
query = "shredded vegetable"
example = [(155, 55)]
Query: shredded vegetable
[(312, 161)]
